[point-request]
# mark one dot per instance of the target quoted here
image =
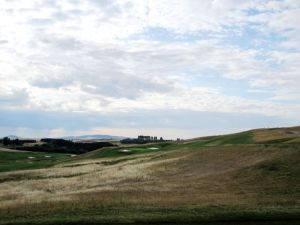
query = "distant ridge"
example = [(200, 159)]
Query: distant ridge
[(96, 136), (82, 137)]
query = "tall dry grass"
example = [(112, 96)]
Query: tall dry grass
[(204, 177)]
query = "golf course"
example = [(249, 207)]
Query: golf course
[(250, 177)]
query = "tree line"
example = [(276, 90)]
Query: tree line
[(54, 145), (16, 142)]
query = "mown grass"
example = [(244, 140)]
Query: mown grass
[(127, 151), (10, 161), (230, 139)]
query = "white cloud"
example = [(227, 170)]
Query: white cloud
[(82, 55), (148, 75)]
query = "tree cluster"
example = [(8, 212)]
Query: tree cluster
[(65, 146), (140, 140), (15, 142)]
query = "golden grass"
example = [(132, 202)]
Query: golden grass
[(208, 176), (261, 135)]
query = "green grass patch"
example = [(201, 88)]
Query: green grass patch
[(231, 139), (10, 161), (127, 151)]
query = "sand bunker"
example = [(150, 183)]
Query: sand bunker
[(125, 150)]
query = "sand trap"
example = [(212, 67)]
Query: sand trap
[(47, 156), (31, 157), (124, 150), (153, 148)]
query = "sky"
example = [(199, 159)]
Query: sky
[(171, 68)]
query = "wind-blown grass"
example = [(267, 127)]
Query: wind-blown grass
[(224, 178)]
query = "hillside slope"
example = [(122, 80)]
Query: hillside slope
[(256, 136), (245, 176)]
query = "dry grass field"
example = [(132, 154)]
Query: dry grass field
[(215, 179)]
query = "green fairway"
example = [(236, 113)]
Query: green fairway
[(130, 150), (10, 161)]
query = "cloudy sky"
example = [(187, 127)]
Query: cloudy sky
[(172, 68)]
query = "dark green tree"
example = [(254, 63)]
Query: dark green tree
[(6, 141)]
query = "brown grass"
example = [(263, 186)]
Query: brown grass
[(261, 135), (221, 175)]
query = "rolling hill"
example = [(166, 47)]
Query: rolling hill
[(247, 176)]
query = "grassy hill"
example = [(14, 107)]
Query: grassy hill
[(247, 176), (257, 136)]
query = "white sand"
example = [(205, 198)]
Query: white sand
[(125, 150)]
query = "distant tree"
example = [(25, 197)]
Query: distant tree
[(6, 141), (16, 142)]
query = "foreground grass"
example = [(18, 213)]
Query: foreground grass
[(96, 213)]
